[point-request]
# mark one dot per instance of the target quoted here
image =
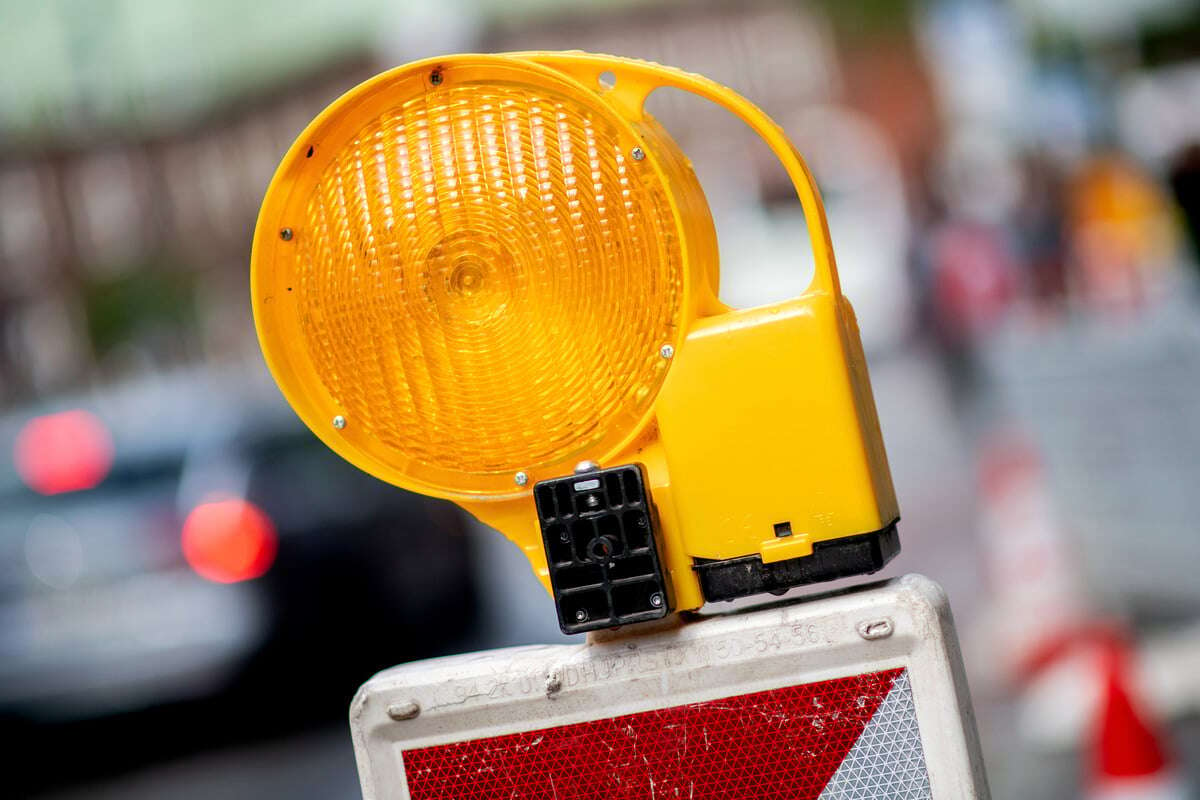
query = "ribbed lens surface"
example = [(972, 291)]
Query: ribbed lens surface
[(485, 279)]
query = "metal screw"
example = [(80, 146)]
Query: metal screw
[(553, 684), (592, 501), (581, 615), (521, 478), (435, 77), (667, 351), (656, 600), (339, 422), (637, 153), (586, 466), (403, 711), (286, 234)]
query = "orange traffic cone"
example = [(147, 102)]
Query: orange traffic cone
[(1038, 607), (1130, 759)]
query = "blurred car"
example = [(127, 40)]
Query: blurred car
[(184, 536)]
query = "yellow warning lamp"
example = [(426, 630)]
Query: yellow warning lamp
[(493, 279)]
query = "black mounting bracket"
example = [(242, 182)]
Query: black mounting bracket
[(599, 531)]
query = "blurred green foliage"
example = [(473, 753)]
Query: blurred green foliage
[(139, 304), (864, 17)]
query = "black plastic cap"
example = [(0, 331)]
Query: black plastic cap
[(859, 554)]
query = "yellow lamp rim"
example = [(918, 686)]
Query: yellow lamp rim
[(304, 160)]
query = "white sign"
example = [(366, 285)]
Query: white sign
[(857, 694)]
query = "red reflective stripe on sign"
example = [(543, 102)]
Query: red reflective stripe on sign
[(784, 743)]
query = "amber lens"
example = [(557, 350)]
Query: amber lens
[(484, 277)]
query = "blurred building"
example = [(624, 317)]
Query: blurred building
[(132, 167)]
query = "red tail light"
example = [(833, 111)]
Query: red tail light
[(63, 452), (229, 540)]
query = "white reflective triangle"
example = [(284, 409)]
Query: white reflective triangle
[(887, 762)]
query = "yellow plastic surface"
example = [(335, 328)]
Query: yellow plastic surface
[(809, 467), (760, 416)]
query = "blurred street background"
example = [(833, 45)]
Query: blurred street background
[(192, 587)]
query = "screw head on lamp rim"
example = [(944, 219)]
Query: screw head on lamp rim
[(474, 269)]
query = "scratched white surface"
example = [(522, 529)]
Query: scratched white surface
[(776, 645)]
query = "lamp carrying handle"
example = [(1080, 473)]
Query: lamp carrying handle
[(636, 79)]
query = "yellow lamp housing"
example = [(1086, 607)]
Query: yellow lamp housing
[(481, 277)]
